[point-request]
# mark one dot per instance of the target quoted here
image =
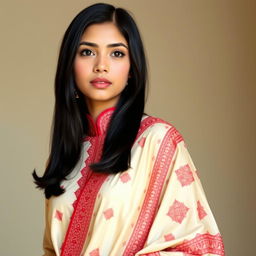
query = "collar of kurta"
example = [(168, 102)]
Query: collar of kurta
[(100, 125)]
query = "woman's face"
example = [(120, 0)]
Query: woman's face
[(102, 54)]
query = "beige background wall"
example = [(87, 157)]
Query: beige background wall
[(202, 57)]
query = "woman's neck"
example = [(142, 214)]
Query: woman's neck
[(95, 109)]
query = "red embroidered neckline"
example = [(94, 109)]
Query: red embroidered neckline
[(100, 125)]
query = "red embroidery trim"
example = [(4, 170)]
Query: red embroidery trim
[(149, 208), (150, 120), (80, 221), (86, 172), (104, 119), (81, 217), (99, 127), (201, 244)]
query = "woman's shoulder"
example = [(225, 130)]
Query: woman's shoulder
[(159, 128)]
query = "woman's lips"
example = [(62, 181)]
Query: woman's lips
[(100, 83)]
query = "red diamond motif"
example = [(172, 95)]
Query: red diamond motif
[(178, 211), (125, 177), (169, 237), (108, 213), (95, 252), (142, 142), (184, 175), (58, 215), (201, 211)]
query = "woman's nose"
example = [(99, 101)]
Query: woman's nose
[(101, 65)]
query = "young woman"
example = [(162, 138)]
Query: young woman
[(117, 181)]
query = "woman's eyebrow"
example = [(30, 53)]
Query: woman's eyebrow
[(109, 45)]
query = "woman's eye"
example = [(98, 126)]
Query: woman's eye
[(118, 54), (86, 52)]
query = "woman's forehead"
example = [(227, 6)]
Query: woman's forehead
[(103, 33)]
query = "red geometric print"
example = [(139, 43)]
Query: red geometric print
[(58, 215), (95, 252), (141, 142), (125, 177), (169, 237), (200, 245), (178, 211), (200, 210), (108, 213), (184, 175), (157, 179)]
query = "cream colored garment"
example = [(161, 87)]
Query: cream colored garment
[(157, 207)]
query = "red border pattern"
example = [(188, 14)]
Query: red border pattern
[(149, 208), (79, 224), (86, 172), (84, 205), (201, 244), (148, 121)]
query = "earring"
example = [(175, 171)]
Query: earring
[(76, 94)]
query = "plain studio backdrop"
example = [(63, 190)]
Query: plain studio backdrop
[(202, 65)]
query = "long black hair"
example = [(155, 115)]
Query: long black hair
[(70, 125)]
